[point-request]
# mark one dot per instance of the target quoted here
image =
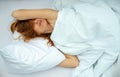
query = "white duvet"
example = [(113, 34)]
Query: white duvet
[(90, 31)]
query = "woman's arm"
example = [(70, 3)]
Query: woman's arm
[(24, 14), (70, 61)]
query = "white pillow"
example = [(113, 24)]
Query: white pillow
[(34, 56)]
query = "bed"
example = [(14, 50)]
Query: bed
[(8, 6)]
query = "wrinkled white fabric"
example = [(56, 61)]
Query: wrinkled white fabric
[(32, 56), (113, 4), (60, 4), (90, 31)]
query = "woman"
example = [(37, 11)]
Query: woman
[(26, 29), (84, 30), (46, 21)]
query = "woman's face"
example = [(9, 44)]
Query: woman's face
[(41, 26)]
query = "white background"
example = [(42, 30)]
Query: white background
[(6, 7)]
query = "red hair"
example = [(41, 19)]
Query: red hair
[(25, 28)]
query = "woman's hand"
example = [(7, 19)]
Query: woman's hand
[(70, 61)]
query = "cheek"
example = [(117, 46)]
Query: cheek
[(45, 26), (44, 23), (37, 29)]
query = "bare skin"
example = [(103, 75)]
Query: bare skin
[(70, 61)]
